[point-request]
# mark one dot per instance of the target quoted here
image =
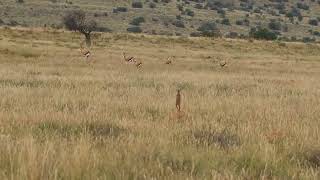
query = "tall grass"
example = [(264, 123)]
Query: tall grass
[(62, 118)]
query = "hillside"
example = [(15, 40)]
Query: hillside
[(291, 19)]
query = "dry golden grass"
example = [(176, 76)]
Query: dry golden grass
[(64, 118)]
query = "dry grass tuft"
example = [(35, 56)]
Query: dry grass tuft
[(223, 139)]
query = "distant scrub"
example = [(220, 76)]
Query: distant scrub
[(137, 4), (120, 9), (313, 22), (179, 23), (275, 25), (209, 29), (189, 12), (226, 21), (137, 21), (263, 33), (134, 29), (152, 5)]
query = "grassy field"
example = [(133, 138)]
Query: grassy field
[(64, 118)]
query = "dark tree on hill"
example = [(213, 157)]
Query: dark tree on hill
[(76, 21)]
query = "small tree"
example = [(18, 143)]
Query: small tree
[(76, 21)]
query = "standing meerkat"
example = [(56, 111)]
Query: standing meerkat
[(178, 100)]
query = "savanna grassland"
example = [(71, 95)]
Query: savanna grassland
[(64, 118)]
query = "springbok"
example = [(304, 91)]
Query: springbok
[(168, 61), (139, 64), (128, 59), (85, 53), (178, 100), (223, 64)]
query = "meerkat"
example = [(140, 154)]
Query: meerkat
[(178, 100)]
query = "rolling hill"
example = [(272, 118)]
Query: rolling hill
[(290, 19)]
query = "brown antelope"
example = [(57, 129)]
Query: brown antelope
[(139, 64), (222, 64), (168, 61), (85, 52), (128, 59), (178, 100)]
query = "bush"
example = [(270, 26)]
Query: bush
[(302, 6), (294, 13), (137, 21), (275, 25), (103, 29), (13, 23), (152, 5), (239, 22), (226, 21), (134, 29), (180, 7), (179, 23), (137, 4), (195, 34), (313, 22), (263, 33), (198, 6), (232, 35), (221, 12), (209, 29), (308, 39), (316, 33), (120, 9), (189, 12)]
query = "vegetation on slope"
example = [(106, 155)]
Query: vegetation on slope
[(290, 20)]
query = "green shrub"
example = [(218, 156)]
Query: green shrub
[(152, 5), (313, 22), (120, 9), (137, 4), (179, 23), (209, 29), (137, 21), (134, 29), (226, 21), (263, 33), (275, 25), (189, 12)]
